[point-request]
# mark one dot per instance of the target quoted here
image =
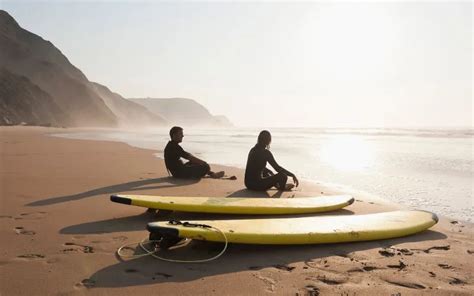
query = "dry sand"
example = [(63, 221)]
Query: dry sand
[(60, 232)]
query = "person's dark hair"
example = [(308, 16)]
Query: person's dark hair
[(174, 130), (264, 138)]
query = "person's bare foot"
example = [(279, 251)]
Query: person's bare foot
[(217, 175)]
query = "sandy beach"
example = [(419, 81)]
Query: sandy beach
[(60, 233)]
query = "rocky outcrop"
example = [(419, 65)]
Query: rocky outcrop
[(181, 111), (22, 102), (40, 86), (130, 114), (81, 102), (26, 54)]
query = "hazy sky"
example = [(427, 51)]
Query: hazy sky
[(369, 64)]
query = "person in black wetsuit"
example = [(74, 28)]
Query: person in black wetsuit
[(194, 168), (257, 176)]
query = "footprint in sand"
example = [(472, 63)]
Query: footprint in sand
[(390, 252), (456, 281), (5, 217), (331, 280), (21, 230), (31, 256), (365, 268), (445, 266), (284, 267), (401, 265), (268, 281), (31, 216), (406, 252), (387, 252), (321, 263), (405, 284), (444, 248), (88, 283), (355, 269), (312, 290), (77, 248), (369, 268)]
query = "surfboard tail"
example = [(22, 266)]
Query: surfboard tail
[(121, 199), (163, 237)]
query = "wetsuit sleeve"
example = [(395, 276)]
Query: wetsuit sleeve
[(182, 153), (275, 165)]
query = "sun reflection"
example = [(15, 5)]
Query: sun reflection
[(347, 153)]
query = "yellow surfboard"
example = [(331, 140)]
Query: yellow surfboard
[(237, 205), (300, 230)]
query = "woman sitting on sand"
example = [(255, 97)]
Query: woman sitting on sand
[(257, 176)]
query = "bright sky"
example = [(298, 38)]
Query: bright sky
[(321, 64)]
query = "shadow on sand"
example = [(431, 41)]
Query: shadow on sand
[(148, 184), (147, 270)]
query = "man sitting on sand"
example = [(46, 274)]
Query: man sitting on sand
[(194, 168)]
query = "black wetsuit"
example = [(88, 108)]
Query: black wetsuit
[(173, 154), (257, 176)]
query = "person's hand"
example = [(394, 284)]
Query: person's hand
[(295, 180)]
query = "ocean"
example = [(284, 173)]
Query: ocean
[(429, 169)]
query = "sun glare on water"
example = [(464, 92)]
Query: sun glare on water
[(347, 153)]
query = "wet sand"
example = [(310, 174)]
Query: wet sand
[(60, 233)]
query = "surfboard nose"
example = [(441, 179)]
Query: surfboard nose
[(434, 217), (120, 199)]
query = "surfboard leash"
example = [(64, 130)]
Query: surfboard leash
[(152, 253)]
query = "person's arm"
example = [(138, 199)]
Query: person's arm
[(280, 169), (194, 159), (275, 165), (190, 157)]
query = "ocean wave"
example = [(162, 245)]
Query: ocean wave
[(425, 133)]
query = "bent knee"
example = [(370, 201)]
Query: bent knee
[(282, 177)]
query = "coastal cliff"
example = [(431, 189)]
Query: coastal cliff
[(182, 111)]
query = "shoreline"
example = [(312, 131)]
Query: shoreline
[(60, 233), (333, 187), (337, 187)]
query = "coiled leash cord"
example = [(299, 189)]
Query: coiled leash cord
[(152, 253)]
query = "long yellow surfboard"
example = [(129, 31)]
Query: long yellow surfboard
[(301, 230), (238, 205)]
